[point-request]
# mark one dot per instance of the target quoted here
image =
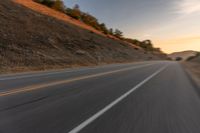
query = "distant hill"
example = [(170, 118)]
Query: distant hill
[(184, 54), (195, 58), (193, 66), (35, 37)]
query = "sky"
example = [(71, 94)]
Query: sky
[(172, 25)]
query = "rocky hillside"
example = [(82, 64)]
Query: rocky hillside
[(32, 40), (184, 54), (193, 66), (195, 58)]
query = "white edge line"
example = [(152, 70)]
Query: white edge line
[(101, 112)]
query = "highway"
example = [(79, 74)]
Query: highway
[(145, 97)]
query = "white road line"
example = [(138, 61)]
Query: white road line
[(45, 74), (101, 112)]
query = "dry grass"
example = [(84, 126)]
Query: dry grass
[(61, 16), (46, 39), (193, 68), (58, 15)]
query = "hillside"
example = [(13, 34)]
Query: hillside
[(195, 58), (184, 54), (39, 38), (192, 65)]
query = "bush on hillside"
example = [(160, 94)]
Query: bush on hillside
[(58, 5), (90, 20), (146, 45), (55, 4), (179, 59), (48, 3), (103, 28), (110, 31), (118, 33), (133, 41), (74, 13)]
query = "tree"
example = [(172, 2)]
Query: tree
[(118, 33), (147, 45), (111, 31), (133, 41), (179, 59), (58, 5), (90, 20), (75, 12), (103, 28), (48, 3), (55, 4)]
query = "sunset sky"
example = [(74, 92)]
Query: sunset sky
[(173, 25)]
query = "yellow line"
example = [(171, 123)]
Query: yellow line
[(37, 87)]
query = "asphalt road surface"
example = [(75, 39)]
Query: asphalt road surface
[(147, 97)]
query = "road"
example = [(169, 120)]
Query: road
[(146, 97)]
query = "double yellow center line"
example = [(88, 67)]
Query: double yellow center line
[(42, 86)]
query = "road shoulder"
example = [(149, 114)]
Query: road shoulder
[(193, 72)]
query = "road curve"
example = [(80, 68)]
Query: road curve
[(147, 97)]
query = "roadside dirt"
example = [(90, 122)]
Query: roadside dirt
[(193, 69)]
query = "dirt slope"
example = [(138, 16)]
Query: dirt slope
[(193, 67), (184, 55), (31, 40), (58, 15), (196, 59)]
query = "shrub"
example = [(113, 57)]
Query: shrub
[(103, 28), (90, 20), (55, 4), (111, 31), (179, 59), (48, 3), (75, 12), (118, 33), (58, 5), (133, 41)]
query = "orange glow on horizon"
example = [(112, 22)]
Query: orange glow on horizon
[(179, 44)]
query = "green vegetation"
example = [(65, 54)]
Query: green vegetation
[(76, 13), (146, 45), (55, 4), (179, 58), (118, 33), (92, 21)]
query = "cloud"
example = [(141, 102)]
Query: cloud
[(187, 7)]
